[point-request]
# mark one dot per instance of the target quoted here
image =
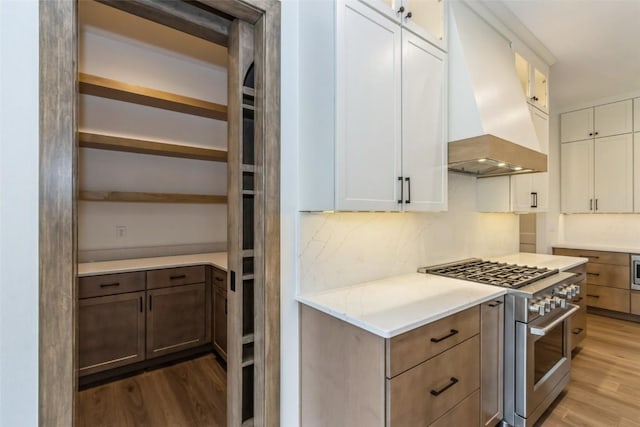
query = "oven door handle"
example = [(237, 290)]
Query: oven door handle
[(543, 330)]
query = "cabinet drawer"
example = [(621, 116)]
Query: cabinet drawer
[(601, 257), (110, 284), (579, 321), (219, 279), (463, 414), (175, 277), (608, 298), (614, 276), (422, 394), (416, 346)]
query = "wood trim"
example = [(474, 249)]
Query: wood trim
[(57, 242), (121, 196), (113, 89), (245, 10), (178, 15), (130, 145), (269, 27)]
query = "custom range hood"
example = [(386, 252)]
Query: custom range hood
[(490, 128)]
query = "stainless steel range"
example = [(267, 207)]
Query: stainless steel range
[(537, 331)]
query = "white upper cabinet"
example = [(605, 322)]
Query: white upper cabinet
[(613, 119), (424, 159), (597, 175), (576, 169), (372, 112), (597, 122), (576, 125), (425, 18), (368, 111), (636, 115), (534, 82)]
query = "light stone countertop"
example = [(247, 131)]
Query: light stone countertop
[(216, 259), (392, 306), (552, 262), (592, 247)]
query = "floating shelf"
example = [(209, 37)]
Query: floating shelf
[(119, 196), (116, 143), (113, 89), (247, 339)]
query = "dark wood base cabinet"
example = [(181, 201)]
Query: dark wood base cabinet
[(131, 317), (219, 317)]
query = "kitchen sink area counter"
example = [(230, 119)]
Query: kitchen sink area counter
[(392, 306), (215, 259)]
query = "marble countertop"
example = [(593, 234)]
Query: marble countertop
[(392, 306), (552, 262), (216, 259), (596, 247)]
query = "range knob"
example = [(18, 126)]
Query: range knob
[(536, 307), (563, 303), (547, 305)]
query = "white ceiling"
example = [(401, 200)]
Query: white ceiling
[(596, 44)]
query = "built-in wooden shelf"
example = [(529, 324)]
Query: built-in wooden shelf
[(249, 91), (247, 339), (117, 143), (120, 196), (113, 89)]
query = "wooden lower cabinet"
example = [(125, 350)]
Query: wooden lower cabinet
[(491, 362), (608, 298), (345, 377), (111, 331), (635, 302), (176, 319)]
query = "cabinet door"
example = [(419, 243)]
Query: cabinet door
[(539, 90), (614, 174), (576, 176), (491, 353), (636, 115), (220, 321), (368, 122), (636, 170), (110, 332), (425, 18), (175, 319), (576, 125), (541, 125), (424, 164), (613, 119)]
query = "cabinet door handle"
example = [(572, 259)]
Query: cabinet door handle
[(577, 299), (451, 333), (588, 256), (401, 190), (179, 276), (596, 204), (495, 304), (593, 296), (409, 15), (150, 302), (408, 181), (595, 133), (594, 274), (590, 133), (225, 306), (219, 279), (400, 10), (140, 304), (452, 381), (590, 204), (534, 199), (577, 331), (109, 285)]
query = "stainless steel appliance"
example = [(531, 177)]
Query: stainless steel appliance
[(537, 331), (635, 272)]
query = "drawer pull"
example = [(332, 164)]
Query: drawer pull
[(594, 274), (589, 256), (453, 381), (593, 296), (109, 285), (577, 331), (219, 279), (179, 276), (578, 299), (495, 303), (451, 333)]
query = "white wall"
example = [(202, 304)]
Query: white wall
[(346, 248), (19, 213), (120, 58)]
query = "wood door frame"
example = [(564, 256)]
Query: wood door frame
[(58, 191)]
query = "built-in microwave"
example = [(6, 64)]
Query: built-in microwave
[(635, 272)]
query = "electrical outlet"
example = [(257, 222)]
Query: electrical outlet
[(121, 231)]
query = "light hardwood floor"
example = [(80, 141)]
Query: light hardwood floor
[(189, 394), (605, 379)]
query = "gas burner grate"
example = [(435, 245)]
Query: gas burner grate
[(491, 273)]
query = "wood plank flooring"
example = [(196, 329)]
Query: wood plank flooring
[(605, 379), (189, 394)]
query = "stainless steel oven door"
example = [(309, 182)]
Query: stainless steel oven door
[(543, 362)]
